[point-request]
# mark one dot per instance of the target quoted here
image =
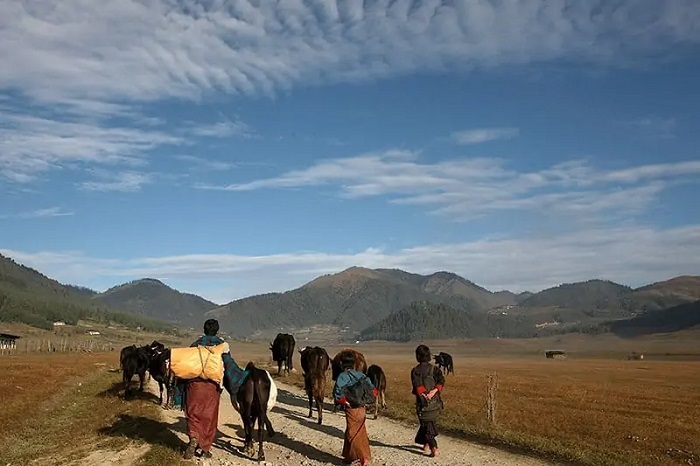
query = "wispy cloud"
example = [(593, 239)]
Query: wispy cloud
[(128, 181), (476, 136), (32, 145), (206, 164), (224, 129), (664, 128), (41, 213), (468, 187), (528, 263), (115, 50)]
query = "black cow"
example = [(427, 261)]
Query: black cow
[(256, 397), (159, 369), (444, 360), (283, 351), (376, 375), (123, 355), (314, 363), (136, 361)]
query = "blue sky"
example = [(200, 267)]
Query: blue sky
[(231, 149)]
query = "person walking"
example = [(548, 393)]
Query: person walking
[(356, 441), (200, 397), (427, 381)]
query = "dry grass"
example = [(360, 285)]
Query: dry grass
[(586, 411), (68, 406), (593, 412), (29, 381)]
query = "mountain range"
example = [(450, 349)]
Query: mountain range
[(370, 302)]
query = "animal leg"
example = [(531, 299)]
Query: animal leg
[(142, 378), (160, 386), (319, 408), (311, 404), (261, 427), (127, 383)]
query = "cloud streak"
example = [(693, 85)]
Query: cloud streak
[(48, 212), (477, 136), (224, 129), (465, 188), (126, 182), (32, 145), (630, 255)]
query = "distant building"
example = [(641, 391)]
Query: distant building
[(93, 332), (59, 324), (8, 341)]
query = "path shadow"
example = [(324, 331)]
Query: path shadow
[(283, 440), (147, 430), (117, 391), (415, 449), (310, 422), (289, 398)]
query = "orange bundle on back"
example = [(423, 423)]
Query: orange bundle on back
[(202, 361)]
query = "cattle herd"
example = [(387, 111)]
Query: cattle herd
[(257, 394)]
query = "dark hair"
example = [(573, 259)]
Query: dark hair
[(422, 353), (211, 327), (347, 361)]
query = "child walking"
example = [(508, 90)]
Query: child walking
[(428, 382)]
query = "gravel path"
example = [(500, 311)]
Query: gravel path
[(300, 441)]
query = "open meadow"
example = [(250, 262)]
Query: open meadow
[(595, 407)]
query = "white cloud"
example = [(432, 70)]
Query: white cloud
[(126, 182), (41, 213), (632, 255), (104, 59), (224, 129), (206, 164), (103, 52), (469, 187), (476, 136), (32, 145)]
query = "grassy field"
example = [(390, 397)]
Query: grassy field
[(61, 407), (594, 408)]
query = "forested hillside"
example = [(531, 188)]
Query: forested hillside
[(29, 297)]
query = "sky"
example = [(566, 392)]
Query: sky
[(231, 148)]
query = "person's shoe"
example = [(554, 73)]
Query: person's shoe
[(191, 447), (434, 453), (426, 448), (206, 454)]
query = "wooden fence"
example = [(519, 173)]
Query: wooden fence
[(59, 345)]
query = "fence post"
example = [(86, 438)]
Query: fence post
[(491, 389)]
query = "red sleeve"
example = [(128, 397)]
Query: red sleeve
[(375, 392), (420, 390), (342, 400), (439, 387)]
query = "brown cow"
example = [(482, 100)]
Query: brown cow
[(376, 375), (314, 364), (336, 369)]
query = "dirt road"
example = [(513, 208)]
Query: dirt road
[(300, 441)]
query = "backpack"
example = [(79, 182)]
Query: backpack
[(199, 362), (359, 393)]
